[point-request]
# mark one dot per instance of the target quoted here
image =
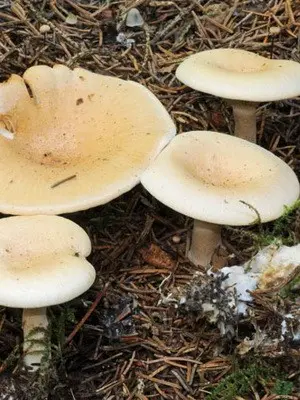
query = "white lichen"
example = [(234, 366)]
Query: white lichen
[(241, 283), (224, 296), (274, 264), (124, 41)]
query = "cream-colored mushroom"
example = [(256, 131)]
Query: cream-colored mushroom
[(42, 263), (242, 78), (219, 179), (80, 139)]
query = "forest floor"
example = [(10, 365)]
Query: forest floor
[(134, 344)]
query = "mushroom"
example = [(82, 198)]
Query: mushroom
[(42, 263), (80, 139), (219, 179), (134, 18), (242, 78)]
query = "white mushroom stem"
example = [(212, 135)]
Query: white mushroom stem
[(206, 237), (244, 113), (6, 134), (34, 323)]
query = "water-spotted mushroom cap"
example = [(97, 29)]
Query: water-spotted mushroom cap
[(80, 139), (42, 261), (240, 75), (221, 179)]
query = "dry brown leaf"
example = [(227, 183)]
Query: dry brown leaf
[(157, 257)]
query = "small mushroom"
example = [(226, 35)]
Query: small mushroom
[(80, 139), (242, 78), (134, 18), (219, 179), (42, 263)]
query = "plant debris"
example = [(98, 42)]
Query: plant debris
[(143, 348)]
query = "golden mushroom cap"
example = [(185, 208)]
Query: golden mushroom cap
[(80, 139)]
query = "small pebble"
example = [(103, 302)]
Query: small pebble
[(44, 28), (176, 239), (71, 19), (134, 18), (275, 30)]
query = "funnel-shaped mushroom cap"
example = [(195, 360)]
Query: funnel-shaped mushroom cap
[(212, 176), (42, 261), (240, 75), (81, 139)]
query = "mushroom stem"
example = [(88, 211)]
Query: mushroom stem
[(206, 237), (34, 323), (244, 113)]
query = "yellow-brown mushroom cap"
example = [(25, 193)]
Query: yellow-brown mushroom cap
[(80, 139), (42, 261)]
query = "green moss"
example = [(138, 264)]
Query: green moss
[(283, 387), (59, 322), (280, 231), (236, 384), (243, 379), (291, 290)]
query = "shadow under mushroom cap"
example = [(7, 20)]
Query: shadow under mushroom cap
[(100, 131)]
